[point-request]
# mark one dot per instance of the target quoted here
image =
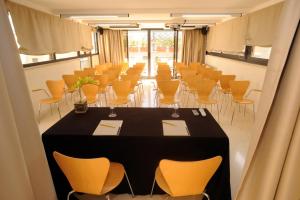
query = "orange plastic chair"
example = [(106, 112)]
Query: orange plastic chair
[(70, 81), (122, 91), (90, 71), (90, 91), (102, 84), (204, 90), (56, 89), (81, 74), (224, 83), (179, 178), (238, 90), (96, 176), (168, 90)]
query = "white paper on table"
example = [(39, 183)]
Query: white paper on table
[(175, 128), (108, 127)]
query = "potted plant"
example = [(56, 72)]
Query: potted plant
[(81, 105)]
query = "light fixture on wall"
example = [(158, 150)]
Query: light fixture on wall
[(94, 16)]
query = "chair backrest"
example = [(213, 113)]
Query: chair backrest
[(224, 81), (134, 78), (215, 75), (194, 66), (163, 77), (84, 175), (168, 88), (121, 88), (187, 73), (188, 178), (81, 74), (70, 80), (165, 72), (56, 88), (163, 67), (90, 91), (204, 88), (90, 71), (238, 88), (102, 80)]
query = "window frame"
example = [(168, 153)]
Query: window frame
[(53, 58), (247, 57)]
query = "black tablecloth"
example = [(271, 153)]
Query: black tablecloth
[(139, 147)]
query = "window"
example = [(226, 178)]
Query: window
[(180, 44), (26, 59), (66, 55), (261, 52), (94, 43)]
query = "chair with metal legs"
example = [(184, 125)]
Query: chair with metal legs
[(238, 90), (178, 178), (94, 176), (56, 89)]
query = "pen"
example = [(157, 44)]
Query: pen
[(169, 123), (106, 125)]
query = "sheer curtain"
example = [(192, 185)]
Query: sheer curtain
[(193, 48), (271, 170), (24, 170), (111, 46)]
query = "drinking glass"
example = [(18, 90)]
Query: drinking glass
[(175, 113), (112, 112)]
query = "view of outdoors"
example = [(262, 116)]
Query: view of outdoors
[(138, 48), (161, 48)]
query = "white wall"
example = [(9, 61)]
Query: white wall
[(243, 71), (36, 76)]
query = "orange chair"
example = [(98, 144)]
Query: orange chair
[(204, 90), (95, 176), (179, 178), (102, 84), (56, 89), (90, 91), (81, 74), (168, 90), (238, 90), (122, 91), (70, 81)]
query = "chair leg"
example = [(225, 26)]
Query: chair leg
[(206, 195), (233, 113), (58, 110), (152, 187), (218, 112), (132, 194), (69, 194), (107, 197)]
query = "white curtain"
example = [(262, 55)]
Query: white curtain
[(255, 29), (40, 33), (193, 47), (271, 169), (24, 169), (111, 45)]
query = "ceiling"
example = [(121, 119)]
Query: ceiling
[(148, 13)]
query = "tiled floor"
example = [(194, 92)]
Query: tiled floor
[(239, 132)]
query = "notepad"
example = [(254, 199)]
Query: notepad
[(175, 128), (108, 127)]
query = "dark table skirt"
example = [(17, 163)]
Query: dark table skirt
[(139, 147)]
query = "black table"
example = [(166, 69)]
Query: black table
[(139, 147)]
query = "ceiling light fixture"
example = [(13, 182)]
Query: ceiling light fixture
[(93, 16), (205, 15)]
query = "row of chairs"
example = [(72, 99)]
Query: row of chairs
[(99, 176), (204, 83), (105, 75)]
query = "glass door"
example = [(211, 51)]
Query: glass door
[(138, 49), (162, 49)]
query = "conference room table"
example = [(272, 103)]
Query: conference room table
[(139, 146)]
